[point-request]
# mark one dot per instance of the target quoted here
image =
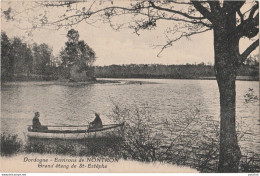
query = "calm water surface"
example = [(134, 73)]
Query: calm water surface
[(76, 104)]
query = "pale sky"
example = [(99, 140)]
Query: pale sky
[(123, 47)]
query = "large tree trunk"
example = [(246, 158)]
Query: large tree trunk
[(229, 155), (226, 48)]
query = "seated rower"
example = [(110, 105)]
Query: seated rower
[(97, 123), (37, 124)]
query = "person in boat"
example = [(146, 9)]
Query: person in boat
[(97, 123), (37, 126)]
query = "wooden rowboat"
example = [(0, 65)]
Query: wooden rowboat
[(76, 132)]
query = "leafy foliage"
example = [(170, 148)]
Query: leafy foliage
[(77, 51), (42, 57)]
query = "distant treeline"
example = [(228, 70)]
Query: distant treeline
[(187, 71)]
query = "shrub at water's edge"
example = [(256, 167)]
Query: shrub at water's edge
[(10, 145)]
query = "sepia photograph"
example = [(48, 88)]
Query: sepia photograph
[(130, 86)]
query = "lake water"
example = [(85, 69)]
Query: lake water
[(76, 104)]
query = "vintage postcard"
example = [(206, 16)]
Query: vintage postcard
[(106, 86)]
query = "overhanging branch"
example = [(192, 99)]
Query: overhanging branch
[(202, 10), (250, 49), (178, 2), (241, 16), (254, 9), (175, 11), (214, 6), (186, 21), (248, 28), (48, 4), (184, 34), (230, 6)]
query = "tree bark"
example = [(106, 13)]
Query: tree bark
[(230, 154), (226, 57)]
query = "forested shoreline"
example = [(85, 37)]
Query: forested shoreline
[(249, 71), (21, 61)]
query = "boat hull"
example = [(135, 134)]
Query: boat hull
[(76, 133)]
